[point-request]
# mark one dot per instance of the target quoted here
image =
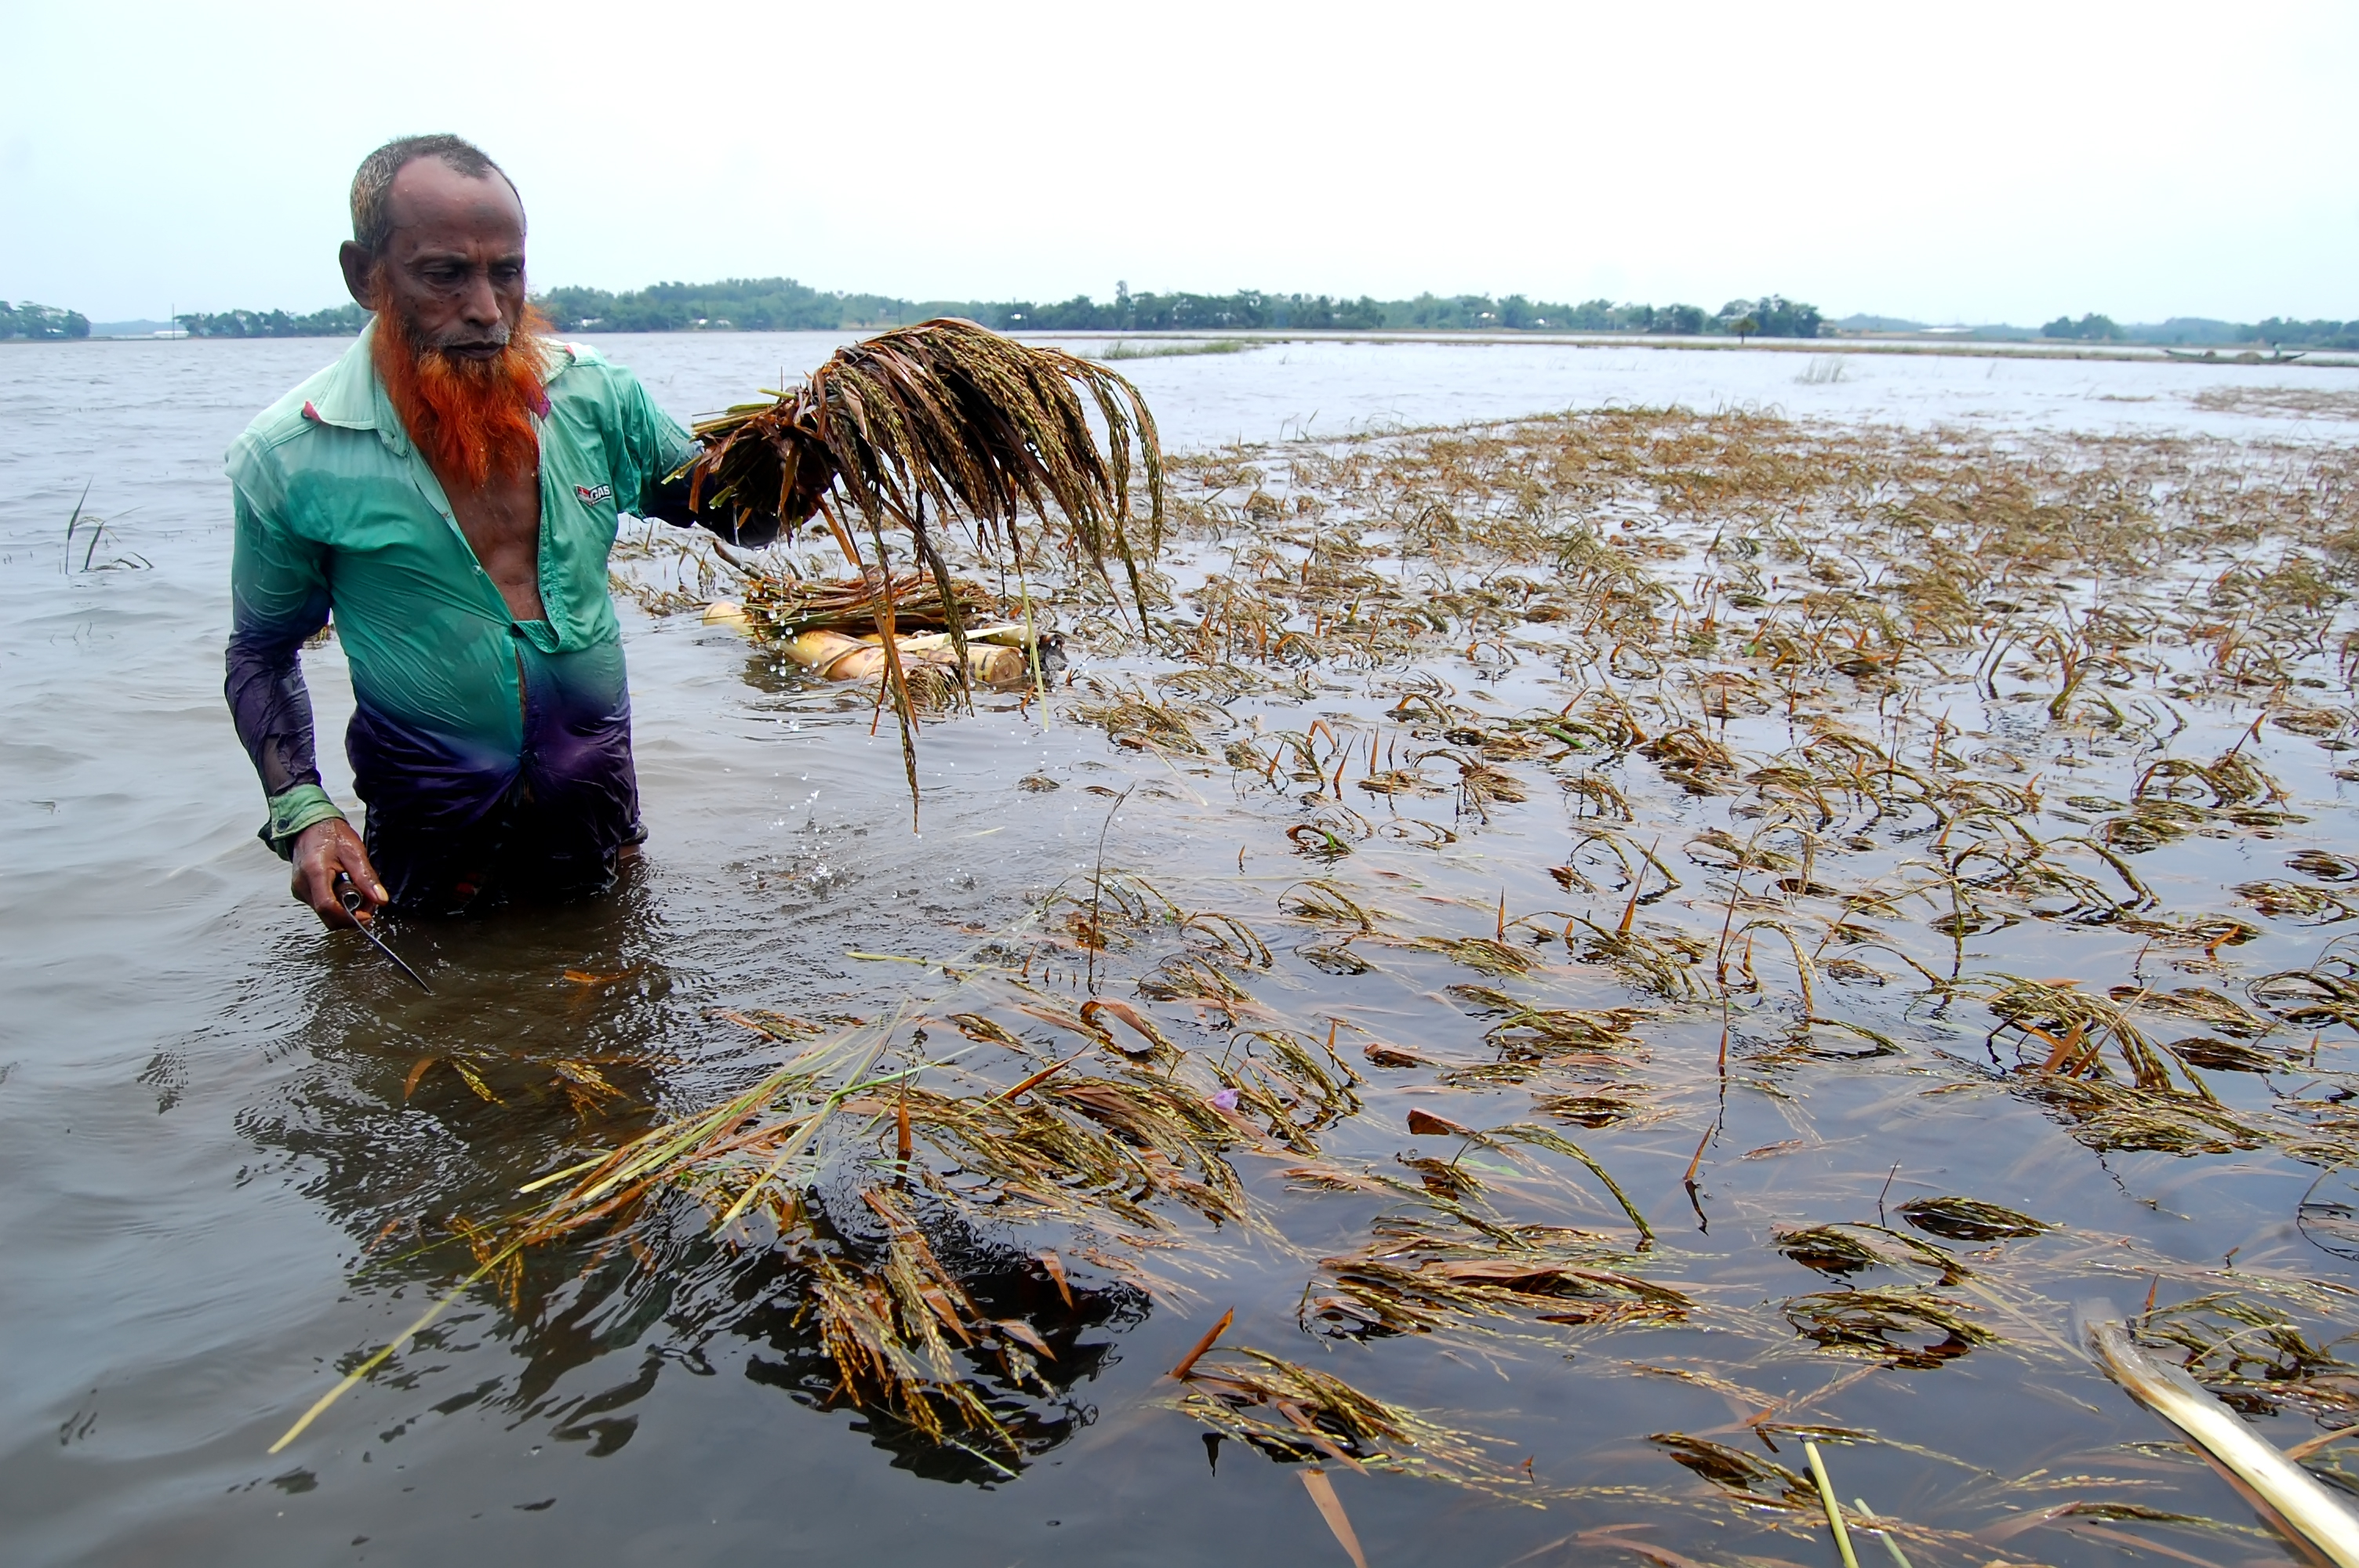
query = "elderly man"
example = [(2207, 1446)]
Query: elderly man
[(449, 489)]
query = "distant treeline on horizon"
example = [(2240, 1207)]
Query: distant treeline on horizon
[(780, 304), (27, 319)]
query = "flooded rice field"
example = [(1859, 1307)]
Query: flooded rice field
[(1631, 912)]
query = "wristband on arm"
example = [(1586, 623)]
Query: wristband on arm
[(293, 810)]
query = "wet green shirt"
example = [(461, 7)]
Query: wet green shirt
[(336, 510)]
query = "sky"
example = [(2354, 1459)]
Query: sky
[(1962, 162)]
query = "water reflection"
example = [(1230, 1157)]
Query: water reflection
[(558, 1032), (546, 1030)]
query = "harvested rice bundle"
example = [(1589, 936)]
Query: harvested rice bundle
[(948, 412), (781, 606), (945, 413)]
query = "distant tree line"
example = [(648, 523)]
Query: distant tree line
[(737, 304), (2275, 330), (343, 321), (783, 304), (780, 304), (31, 320)]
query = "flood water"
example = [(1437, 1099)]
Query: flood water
[(209, 1121)]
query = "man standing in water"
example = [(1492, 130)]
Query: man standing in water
[(449, 489)]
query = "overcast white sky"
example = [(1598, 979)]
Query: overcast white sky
[(1981, 161)]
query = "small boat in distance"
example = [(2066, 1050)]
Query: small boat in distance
[(2275, 356)]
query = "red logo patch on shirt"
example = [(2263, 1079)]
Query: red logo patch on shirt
[(593, 494)]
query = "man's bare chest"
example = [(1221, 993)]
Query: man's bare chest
[(501, 522)]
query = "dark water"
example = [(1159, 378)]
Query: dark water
[(206, 1118)]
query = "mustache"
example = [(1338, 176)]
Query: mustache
[(458, 337)]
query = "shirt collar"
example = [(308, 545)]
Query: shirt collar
[(349, 396)]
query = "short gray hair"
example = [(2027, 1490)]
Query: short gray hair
[(373, 183)]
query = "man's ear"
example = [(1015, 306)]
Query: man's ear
[(360, 273)]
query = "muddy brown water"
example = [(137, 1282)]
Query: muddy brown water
[(206, 1127)]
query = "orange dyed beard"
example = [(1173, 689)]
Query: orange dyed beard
[(471, 419)]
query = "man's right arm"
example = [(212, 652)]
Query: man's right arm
[(278, 595), (657, 453)]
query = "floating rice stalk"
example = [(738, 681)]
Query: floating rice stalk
[(1843, 1250), (2254, 1355), (2049, 1013)]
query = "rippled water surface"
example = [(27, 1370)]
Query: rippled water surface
[(211, 1117)]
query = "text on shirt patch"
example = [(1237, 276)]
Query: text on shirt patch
[(593, 494)]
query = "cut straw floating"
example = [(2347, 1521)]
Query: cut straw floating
[(2284, 1493)]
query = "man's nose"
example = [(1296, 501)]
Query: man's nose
[(481, 303)]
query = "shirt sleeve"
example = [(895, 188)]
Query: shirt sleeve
[(278, 597), (650, 444)]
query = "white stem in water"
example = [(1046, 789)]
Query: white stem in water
[(2299, 1501)]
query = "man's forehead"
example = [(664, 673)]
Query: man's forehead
[(430, 193)]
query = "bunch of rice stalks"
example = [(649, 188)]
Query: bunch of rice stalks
[(1414, 1281), (2061, 1031), (888, 1330), (2257, 1357), (1906, 1327), (780, 606), (1845, 1249), (1970, 1219), (1294, 1413), (947, 416), (948, 412), (1762, 1483), (1084, 1148)]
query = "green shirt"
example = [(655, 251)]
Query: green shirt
[(337, 509)]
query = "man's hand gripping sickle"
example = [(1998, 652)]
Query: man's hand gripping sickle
[(323, 852)]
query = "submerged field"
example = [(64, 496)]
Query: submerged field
[(1605, 947), (1782, 920)]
